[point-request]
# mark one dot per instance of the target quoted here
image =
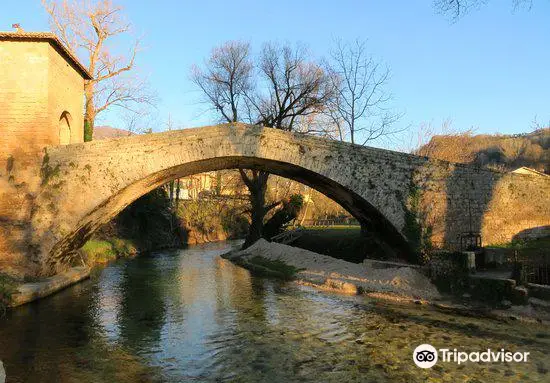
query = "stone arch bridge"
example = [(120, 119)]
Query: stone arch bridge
[(394, 195)]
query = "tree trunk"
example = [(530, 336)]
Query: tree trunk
[(171, 192), (178, 188), (257, 186), (306, 202), (89, 111)]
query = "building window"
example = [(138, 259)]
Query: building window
[(65, 128)]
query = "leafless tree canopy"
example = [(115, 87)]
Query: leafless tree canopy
[(360, 109), (91, 29), (291, 87), (226, 79), (277, 89)]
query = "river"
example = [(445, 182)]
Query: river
[(190, 316)]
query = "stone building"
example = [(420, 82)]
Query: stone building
[(41, 93), (41, 104)]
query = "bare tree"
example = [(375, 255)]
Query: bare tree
[(360, 111), (91, 29), (294, 88), (537, 125), (284, 89)]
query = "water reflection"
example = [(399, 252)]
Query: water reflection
[(141, 315), (188, 315)]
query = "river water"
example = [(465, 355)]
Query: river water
[(189, 316)]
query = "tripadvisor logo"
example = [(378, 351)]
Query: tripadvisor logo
[(426, 356)]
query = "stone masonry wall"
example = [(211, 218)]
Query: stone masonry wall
[(457, 198), (36, 86), (24, 129)]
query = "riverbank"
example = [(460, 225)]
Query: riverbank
[(404, 284), (28, 292), (17, 291)]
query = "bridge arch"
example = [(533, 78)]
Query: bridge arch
[(370, 218), (86, 185)]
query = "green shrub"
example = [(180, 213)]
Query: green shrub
[(234, 224), (415, 229), (264, 267), (123, 247), (88, 131), (288, 212), (210, 216), (149, 221), (491, 290), (98, 251), (8, 286)]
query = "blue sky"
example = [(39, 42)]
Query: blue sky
[(489, 70)]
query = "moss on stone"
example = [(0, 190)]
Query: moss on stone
[(47, 172), (417, 232)]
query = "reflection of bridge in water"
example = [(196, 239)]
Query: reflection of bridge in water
[(395, 197)]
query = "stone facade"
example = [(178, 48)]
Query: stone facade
[(41, 104), (41, 93), (86, 185)]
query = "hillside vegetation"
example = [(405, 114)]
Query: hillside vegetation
[(499, 152)]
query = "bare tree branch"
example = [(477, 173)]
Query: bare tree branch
[(225, 79), (91, 29), (458, 8), (360, 109)]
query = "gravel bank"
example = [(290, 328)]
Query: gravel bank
[(335, 274)]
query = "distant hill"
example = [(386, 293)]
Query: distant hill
[(500, 152), (102, 132)]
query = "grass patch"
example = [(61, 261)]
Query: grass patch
[(263, 267), (533, 246), (342, 242), (102, 251), (8, 286)]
